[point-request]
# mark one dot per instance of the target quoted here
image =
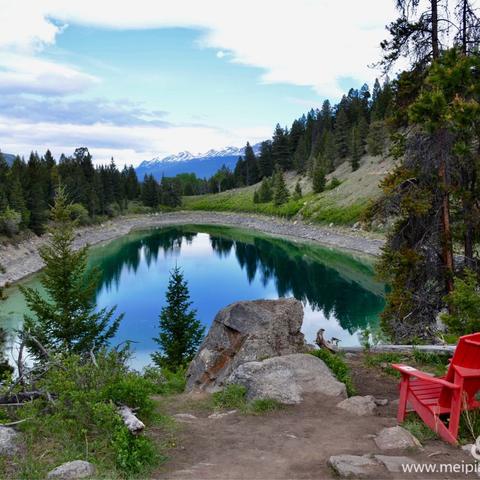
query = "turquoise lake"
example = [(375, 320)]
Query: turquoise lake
[(225, 265)]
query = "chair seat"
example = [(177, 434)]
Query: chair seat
[(428, 394)]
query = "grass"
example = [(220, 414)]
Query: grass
[(339, 368), (241, 200), (235, 397), (430, 362), (414, 424), (327, 211)]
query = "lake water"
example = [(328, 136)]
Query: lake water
[(222, 266)]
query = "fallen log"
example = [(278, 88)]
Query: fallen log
[(21, 397), (133, 424), (446, 349)]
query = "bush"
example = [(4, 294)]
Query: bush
[(10, 221), (82, 421), (165, 381), (338, 367), (232, 396), (79, 214), (464, 303)]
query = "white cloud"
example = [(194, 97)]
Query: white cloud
[(28, 74), (306, 42), (127, 144), (220, 54)]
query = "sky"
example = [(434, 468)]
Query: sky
[(137, 80)]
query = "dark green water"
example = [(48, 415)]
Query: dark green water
[(224, 265)]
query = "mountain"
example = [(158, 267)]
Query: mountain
[(8, 157), (204, 165)]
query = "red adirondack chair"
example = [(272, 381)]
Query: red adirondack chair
[(440, 401)]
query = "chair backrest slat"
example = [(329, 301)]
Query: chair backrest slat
[(467, 354)]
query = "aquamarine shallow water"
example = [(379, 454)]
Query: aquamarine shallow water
[(224, 265)]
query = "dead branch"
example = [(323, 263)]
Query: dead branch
[(133, 424)]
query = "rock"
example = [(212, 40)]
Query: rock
[(348, 466), (381, 402), (245, 332), (8, 441), (217, 415), (287, 378), (394, 464), (184, 416), (73, 470), (396, 438), (359, 405)]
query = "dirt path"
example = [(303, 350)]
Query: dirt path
[(19, 261), (293, 443)]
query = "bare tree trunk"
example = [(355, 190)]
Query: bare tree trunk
[(435, 46), (446, 229), (464, 26)]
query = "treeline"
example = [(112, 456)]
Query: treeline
[(322, 139), (27, 190)]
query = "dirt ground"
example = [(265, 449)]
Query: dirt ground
[(292, 443)]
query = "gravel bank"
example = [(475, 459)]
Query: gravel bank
[(22, 260)]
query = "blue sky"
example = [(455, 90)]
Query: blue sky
[(154, 77)]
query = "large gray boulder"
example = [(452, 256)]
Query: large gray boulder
[(396, 438), (355, 466), (245, 332), (9, 439), (287, 378), (72, 470), (360, 406)]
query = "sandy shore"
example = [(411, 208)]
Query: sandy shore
[(23, 259)]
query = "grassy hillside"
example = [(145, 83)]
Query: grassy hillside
[(343, 205)]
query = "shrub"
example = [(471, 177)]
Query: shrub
[(232, 396), (165, 381), (464, 303), (79, 214), (82, 421), (10, 221), (338, 367)]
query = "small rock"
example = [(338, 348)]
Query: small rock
[(393, 438), (73, 470), (359, 405), (381, 402), (185, 416), (217, 415), (394, 464), (348, 466), (8, 441)]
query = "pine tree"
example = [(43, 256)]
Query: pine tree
[(180, 331), (66, 320), (297, 194), (341, 134), (355, 148), (280, 191), (265, 159), (318, 179), (265, 193), (251, 166)]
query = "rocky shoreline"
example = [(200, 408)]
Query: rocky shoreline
[(22, 260)]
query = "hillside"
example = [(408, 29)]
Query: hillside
[(343, 205)]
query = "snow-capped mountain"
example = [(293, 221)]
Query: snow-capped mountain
[(202, 164)]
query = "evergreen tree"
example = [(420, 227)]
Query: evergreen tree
[(318, 179), (297, 194), (281, 149), (180, 331), (341, 133), (280, 190), (66, 320), (265, 193), (251, 166), (265, 159), (150, 194), (355, 148)]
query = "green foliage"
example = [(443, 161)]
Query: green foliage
[(66, 320), (464, 305), (180, 331), (261, 406), (318, 179), (166, 382), (82, 422), (265, 192), (416, 426), (79, 214), (334, 183), (377, 138), (10, 221), (280, 190), (297, 194), (232, 396), (339, 368)]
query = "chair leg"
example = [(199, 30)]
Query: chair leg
[(455, 412), (402, 403)]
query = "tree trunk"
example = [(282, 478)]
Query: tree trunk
[(446, 230), (435, 47), (464, 26)]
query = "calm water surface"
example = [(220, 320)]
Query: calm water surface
[(224, 265)]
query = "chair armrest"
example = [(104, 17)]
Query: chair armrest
[(413, 372), (467, 372)]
